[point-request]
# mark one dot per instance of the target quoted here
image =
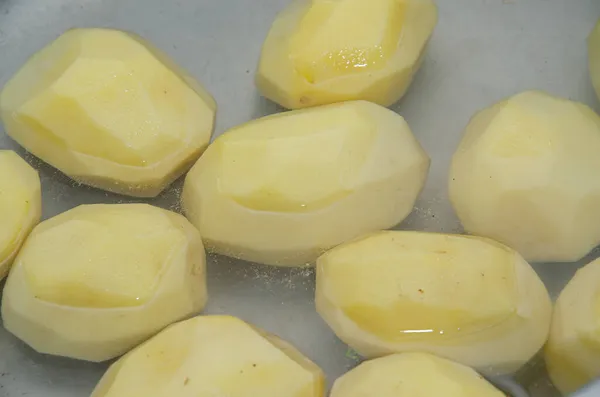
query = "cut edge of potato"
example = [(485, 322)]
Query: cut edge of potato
[(30, 177)]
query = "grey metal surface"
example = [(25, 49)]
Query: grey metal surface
[(482, 51), (591, 390)]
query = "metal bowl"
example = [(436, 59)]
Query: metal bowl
[(481, 51)]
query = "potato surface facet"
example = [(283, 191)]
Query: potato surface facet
[(20, 205), (573, 349), (282, 189), (526, 174), (468, 299), (211, 356), (109, 110), (594, 57), (97, 280), (403, 375), (323, 51)]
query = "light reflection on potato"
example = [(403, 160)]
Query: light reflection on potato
[(109, 110), (403, 375), (320, 51), (526, 174), (97, 280), (211, 356), (573, 349), (468, 299), (282, 189), (20, 205)]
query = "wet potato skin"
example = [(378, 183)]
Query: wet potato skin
[(319, 51), (469, 299), (109, 110), (95, 281)]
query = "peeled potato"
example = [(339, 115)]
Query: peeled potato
[(97, 280), (211, 356), (526, 174), (283, 189), (410, 375), (594, 57), (20, 205), (324, 51), (468, 299), (109, 110), (573, 349)]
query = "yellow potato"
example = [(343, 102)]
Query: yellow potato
[(97, 280), (526, 174), (109, 110), (211, 356), (468, 299), (411, 375), (573, 349), (283, 189), (20, 205), (594, 57), (324, 51)]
